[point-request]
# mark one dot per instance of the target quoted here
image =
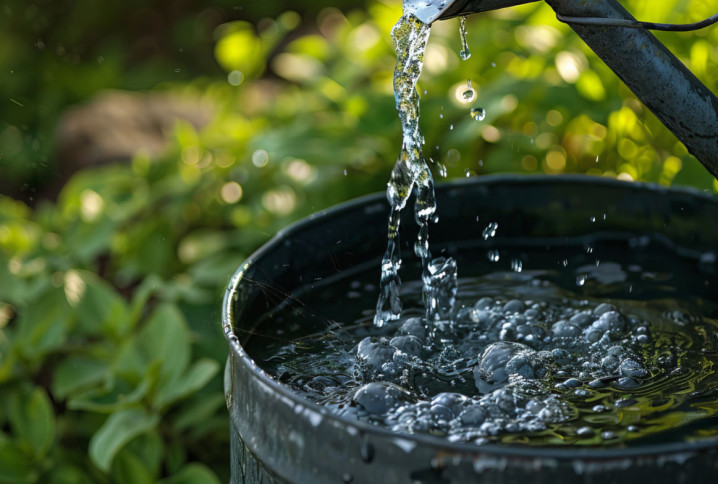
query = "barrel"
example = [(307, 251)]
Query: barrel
[(277, 436)]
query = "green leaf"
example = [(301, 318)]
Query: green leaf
[(176, 456), (77, 373), (118, 429), (32, 419), (166, 339), (101, 307), (15, 467), (129, 467), (42, 328), (149, 447), (198, 410), (197, 377), (150, 284), (67, 474), (121, 396), (193, 474)]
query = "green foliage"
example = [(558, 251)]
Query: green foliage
[(110, 342)]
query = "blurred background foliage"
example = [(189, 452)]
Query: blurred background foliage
[(148, 147)]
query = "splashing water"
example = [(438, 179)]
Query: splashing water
[(411, 171), (465, 52)]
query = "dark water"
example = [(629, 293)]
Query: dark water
[(601, 343)]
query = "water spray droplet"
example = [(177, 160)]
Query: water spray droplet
[(468, 95), (465, 52), (478, 114), (490, 230)]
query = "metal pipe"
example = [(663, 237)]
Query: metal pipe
[(428, 11), (465, 7), (666, 86)]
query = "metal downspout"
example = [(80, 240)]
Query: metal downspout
[(666, 86)]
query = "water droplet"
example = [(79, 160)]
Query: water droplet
[(592, 219), (468, 95), (441, 116), (366, 452), (517, 265), (465, 52), (451, 127), (467, 172), (478, 114), (493, 255), (490, 230), (442, 170), (581, 280)]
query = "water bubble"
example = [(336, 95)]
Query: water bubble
[(478, 114), (500, 360), (413, 327), (372, 353), (379, 397)]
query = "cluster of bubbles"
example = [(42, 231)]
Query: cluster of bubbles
[(501, 366)]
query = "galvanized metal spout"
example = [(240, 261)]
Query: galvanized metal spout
[(429, 11), (664, 85)]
